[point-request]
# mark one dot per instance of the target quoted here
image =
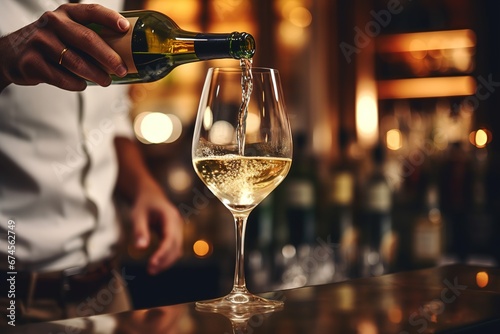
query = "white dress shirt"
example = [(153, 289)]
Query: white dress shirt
[(58, 165)]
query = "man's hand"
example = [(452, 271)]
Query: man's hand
[(34, 54), (152, 212)]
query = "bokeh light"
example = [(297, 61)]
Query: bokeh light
[(201, 248)]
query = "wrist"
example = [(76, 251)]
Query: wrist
[(150, 185), (4, 81), (139, 185), (3, 85), (134, 178)]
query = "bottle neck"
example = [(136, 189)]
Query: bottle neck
[(215, 46)]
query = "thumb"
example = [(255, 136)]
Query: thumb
[(140, 230), (123, 24)]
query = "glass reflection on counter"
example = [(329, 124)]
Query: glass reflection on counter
[(482, 279)]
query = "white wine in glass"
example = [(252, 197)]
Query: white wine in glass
[(242, 150)]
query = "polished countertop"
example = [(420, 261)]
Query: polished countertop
[(448, 299)]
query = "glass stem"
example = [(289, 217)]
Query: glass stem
[(240, 328), (240, 220)]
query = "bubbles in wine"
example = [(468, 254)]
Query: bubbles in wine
[(241, 182)]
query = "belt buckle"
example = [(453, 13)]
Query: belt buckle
[(66, 275), (73, 271)]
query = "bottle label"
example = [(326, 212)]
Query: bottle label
[(342, 188), (427, 243), (300, 193), (379, 198), (122, 44)]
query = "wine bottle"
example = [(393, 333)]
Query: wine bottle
[(481, 229), (377, 238), (154, 45), (338, 216), (455, 181), (259, 243), (428, 235), (300, 190), (299, 194)]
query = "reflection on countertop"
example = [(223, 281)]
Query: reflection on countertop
[(447, 299)]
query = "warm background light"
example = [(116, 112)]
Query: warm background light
[(221, 133), (157, 127), (426, 87), (395, 315), (301, 17), (430, 53), (179, 179), (482, 279), (367, 118), (185, 12), (295, 17), (253, 122), (394, 139), (201, 248), (480, 138), (424, 41)]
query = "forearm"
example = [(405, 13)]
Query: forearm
[(133, 174), (4, 45), (150, 210)]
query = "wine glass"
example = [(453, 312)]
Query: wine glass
[(242, 150)]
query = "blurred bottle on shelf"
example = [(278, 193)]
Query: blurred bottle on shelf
[(337, 219), (428, 232), (378, 240), (300, 188), (455, 187), (259, 235), (298, 194), (481, 230)]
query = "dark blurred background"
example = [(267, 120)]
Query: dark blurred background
[(395, 113)]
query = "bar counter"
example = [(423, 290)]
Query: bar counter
[(448, 299)]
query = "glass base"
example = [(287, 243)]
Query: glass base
[(240, 302)]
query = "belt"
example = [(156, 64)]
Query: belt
[(69, 285)]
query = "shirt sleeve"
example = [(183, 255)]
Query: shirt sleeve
[(121, 117)]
